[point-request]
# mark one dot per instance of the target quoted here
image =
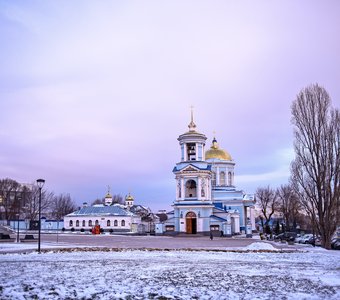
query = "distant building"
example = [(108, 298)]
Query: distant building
[(206, 197), (112, 217)]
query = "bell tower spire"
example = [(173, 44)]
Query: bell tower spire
[(192, 125)]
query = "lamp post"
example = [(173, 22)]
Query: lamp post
[(18, 200), (40, 183), (18, 227)]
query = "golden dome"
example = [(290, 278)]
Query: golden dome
[(108, 195), (216, 152), (129, 197)]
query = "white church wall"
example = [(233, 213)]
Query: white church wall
[(102, 221)]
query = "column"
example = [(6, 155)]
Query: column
[(182, 153), (245, 217), (252, 219), (182, 188), (199, 186), (196, 151), (249, 232), (217, 176), (178, 183)]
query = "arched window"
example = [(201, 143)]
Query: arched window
[(229, 179), (97, 222), (108, 223), (213, 179), (77, 223), (190, 189), (123, 222), (90, 223), (115, 223), (222, 178), (84, 223), (71, 223)]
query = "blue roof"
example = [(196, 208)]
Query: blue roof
[(218, 218), (218, 208), (192, 203), (102, 210), (182, 166)]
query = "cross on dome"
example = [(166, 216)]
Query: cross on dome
[(192, 125)]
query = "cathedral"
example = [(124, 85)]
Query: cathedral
[(207, 200)]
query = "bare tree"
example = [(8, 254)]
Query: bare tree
[(62, 205), (118, 199), (8, 195), (267, 202), (31, 204), (316, 168), (289, 205), (98, 201), (115, 199)]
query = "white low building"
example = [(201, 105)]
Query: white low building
[(113, 217)]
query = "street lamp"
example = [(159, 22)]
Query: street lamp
[(18, 200), (40, 183)]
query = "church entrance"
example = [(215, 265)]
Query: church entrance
[(191, 223)]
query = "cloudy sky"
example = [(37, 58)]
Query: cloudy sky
[(95, 93)]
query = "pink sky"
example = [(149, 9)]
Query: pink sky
[(96, 93)]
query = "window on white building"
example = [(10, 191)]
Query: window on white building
[(214, 227), (190, 189), (108, 223), (77, 223), (83, 223), (213, 179), (229, 179), (90, 223), (123, 222), (71, 223), (115, 223), (222, 178)]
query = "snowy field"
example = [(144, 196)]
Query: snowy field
[(82, 274)]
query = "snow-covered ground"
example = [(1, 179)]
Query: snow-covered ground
[(81, 274)]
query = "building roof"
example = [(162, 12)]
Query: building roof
[(193, 203), (113, 210), (218, 218), (194, 166)]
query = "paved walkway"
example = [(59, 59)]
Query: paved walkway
[(51, 241)]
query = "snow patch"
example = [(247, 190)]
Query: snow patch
[(261, 246)]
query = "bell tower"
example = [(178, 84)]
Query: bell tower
[(193, 205), (192, 143)]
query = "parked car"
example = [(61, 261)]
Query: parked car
[(335, 243), (298, 238), (314, 240), (305, 238), (287, 236)]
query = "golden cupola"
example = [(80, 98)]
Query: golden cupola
[(215, 152), (129, 201), (108, 198), (129, 198)]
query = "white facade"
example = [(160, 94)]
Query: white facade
[(206, 198), (107, 217)]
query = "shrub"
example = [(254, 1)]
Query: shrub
[(63, 229), (111, 230), (72, 229), (82, 230)]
